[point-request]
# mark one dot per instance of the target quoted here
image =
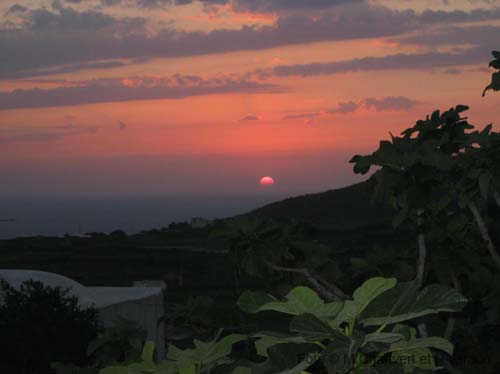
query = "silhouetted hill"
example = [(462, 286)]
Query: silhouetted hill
[(343, 208)]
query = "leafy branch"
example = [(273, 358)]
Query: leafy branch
[(495, 78)]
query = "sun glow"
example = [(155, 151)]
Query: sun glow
[(266, 181)]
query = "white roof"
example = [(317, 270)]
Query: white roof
[(99, 297), (106, 296)]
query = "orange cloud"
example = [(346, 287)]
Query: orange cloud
[(385, 43)]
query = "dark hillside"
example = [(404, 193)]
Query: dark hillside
[(344, 208)]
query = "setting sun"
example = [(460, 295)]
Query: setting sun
[(267, 181)]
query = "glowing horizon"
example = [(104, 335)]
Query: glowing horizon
[(88, 88)]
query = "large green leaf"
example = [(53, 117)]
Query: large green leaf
[(300, 300), (362, 297), (405, 302), (312, 328), (371, 289), (267, 340), (204, 354)]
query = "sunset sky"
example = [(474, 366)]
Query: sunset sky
[(131, 97)]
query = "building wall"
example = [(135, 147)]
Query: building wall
[(148, 312)]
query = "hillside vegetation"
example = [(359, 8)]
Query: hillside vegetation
[(343, 208)]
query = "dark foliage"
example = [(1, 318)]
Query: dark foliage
[(41, 325), (495, 78)]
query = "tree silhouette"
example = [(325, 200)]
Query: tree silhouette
[(495, 78)]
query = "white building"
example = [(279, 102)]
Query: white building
[(141, 304)]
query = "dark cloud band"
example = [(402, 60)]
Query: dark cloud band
[(392, 62), (68, 37), (116, 90), (389, 103)]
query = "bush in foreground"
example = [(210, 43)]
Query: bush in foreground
[(40, 325)]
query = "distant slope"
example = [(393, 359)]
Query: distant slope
[(347, 207)]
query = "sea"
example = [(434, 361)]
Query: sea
[(58, 216)]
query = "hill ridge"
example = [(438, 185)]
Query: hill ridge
[(346, 207)]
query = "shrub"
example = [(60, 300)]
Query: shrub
[(40, 325)]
